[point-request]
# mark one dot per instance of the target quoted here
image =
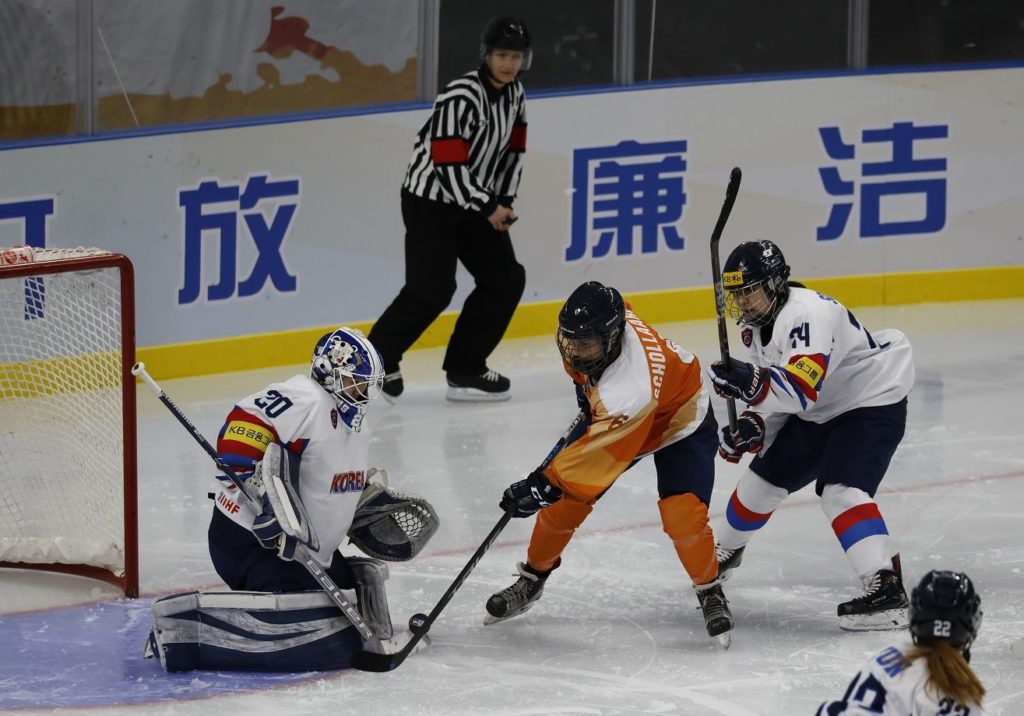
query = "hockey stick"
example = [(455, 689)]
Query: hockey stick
[(420, 625), (716, 271), (302, 554)]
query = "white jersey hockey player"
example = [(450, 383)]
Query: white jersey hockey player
[(828, 405), (931, 676), (301, 454)]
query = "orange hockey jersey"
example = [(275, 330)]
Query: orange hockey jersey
[(652, 395)]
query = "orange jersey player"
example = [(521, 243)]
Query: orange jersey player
[(641, 395)]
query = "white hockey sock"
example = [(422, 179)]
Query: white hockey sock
[(859, 527), (750, 506)]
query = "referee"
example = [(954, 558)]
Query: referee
[(457, 206)]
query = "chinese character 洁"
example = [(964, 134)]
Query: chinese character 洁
[(901, 136)]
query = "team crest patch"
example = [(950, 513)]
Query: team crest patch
[(334, 418), (747, 336)]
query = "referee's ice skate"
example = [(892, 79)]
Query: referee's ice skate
[(488, 386)]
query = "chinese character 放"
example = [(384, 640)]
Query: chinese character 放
[(268, 238)]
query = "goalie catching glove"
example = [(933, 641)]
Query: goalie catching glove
[(390, 525), (282, 523)]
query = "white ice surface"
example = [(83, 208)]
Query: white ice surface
[(617, 630)]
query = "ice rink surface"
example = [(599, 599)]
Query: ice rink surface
[(617, 630)]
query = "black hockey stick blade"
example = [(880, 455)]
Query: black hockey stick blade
[(735, 177), (368, 661)]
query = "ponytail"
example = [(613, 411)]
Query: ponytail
[(949, 674)]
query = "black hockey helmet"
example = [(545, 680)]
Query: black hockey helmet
[(751, 266), (590, 327), (944, 605), (507, 33)]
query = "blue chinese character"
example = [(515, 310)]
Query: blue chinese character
[(623, 189), (901, 136), (33, 213), (267, 238)]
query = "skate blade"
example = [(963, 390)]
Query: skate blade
[(725, 639), (472, 395), (491, 619), (889, 620)]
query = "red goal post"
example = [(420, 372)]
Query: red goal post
[(68, 494)]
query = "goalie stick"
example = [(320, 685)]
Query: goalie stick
[(371, 642), (420, 625), (716, 272)]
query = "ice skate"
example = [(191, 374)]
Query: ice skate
[(393, 386), (882, 607), (488, 386), (728, 560), (717, 616), (518, 598)]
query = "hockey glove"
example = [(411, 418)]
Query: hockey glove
[(739, 380), (525, 497), (749, 437), (270, 535)]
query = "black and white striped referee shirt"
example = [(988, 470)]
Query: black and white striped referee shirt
[(470, 150)]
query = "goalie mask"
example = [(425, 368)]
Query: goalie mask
[(347, 366), (755, 281)]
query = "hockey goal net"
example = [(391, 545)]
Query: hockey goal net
[(67, 414)]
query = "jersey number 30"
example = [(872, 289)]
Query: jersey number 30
[(274, 404)]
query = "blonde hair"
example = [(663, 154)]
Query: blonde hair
[(949, 674)]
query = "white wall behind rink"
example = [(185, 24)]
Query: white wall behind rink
[(344, 244)]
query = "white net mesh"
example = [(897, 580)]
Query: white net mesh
[(61, 440)]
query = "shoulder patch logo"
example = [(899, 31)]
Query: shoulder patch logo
[(334, 418), (747, 336)]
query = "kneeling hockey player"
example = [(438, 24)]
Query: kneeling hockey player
[(640, 394), (301, 452)]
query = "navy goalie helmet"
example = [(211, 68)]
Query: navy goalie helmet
[(507, 33), (347, 366), (944, 605), (590, 327), (755, 281)]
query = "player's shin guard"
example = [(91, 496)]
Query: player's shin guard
[(859, 527), (685, 520), (552, 531), (861, 531), (370, 575), (750, 506)]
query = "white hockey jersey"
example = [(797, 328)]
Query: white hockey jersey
[(304, 419), (886, 686), (823, 362)]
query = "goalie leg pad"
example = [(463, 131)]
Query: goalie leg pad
[(392, 526), (251, 631), (370, 575)]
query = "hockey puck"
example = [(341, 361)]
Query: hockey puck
[(418, 623)]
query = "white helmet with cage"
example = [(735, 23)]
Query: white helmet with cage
[(347, 366)]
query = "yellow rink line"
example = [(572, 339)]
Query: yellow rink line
[(264, 350)]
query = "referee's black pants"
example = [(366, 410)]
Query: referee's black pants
[(437, 237)]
